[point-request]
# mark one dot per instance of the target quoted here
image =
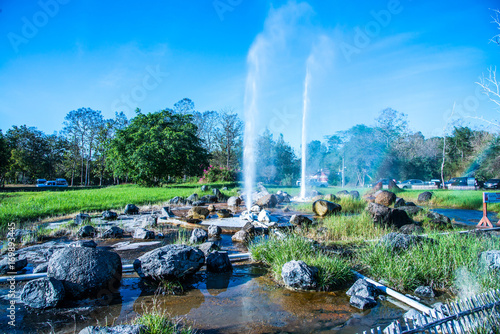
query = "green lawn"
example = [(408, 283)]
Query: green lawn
[(28, 206)]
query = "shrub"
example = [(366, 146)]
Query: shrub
[(218, 174)]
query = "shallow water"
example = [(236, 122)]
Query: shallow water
[(466, 217), (246, 301)]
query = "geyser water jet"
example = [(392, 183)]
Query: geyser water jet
[(305, 108)]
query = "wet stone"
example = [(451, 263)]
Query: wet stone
[(214, 231), (241, 236), (297, 274), (142, 233), (198, 236), (208, 247), (82, 218), (131, 209), (425, 291), (109, 215), (113, 232), (42, 293), (362, 288), (87, 231), (218, 262), (362, 303), (19, 264)]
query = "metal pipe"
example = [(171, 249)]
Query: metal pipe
[(411, 302)]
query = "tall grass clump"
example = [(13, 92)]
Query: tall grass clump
[(333, 272), (351, 228), (433, 263), (158, 321), (352, 205)]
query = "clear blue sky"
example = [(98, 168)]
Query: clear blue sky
[(119, 55)]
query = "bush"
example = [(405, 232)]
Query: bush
[(218, 174)]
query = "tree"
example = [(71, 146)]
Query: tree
[(228, 137), (4, 158), (391, 124), (184, 106), (287, 164), (157, 146), (207, 124), (81, 128)]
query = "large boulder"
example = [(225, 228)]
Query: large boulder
[(87, 231), (208, 247), (18, 264), (198, 236), (388, 217), (169, 262), (131, 209), (218, 262), (234, 201), (42, 293), (298, 275), (267, 201), (113, 232), (324, 208), (198, 212), (385, 197), (85, 272), (121, 329), (424, 197)]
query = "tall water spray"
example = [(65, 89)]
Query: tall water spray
[(305, 109), (250, 133)]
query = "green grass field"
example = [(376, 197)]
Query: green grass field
[(20, 207)]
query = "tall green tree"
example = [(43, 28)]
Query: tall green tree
[(156, 146), (228, 139)]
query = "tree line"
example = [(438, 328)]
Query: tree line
[(181, 144)]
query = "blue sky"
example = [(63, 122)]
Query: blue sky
[(418, 57)]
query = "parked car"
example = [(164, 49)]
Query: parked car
[(411, 182), (451, 181), (435, 182), (465, 181), (59, 183), (492, 184), (40, 182)]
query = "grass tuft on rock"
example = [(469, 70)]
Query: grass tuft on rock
[(333, 272), (432, 263)]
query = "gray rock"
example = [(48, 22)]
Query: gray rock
[(121, 329), (343, 193), (205, 188), (362, 303), (300, 220), (490, 259), (411, 229), (192, 198), (199, 203), (198, 236), (234, 201), (425, 291), (167, 212), (267, 201), (177, 200), (224, 213), (131, 209), (113, 232), (86, 272), (218, 262), (410, 204), (398, 241), (362, 288), (142, 233), (214, 231), (83, 243), (150, 221), (324, 208), (209, 199), (19, 234), (241, 236), (42, 293), (41, 268), (411, 210), (385, 197), (169, 262), (208, 247), (297, 274), (86, 231), (439, 221), (399, 202), (388, 217), (216, 192), (109, 215), (18, 264), (82, 218), (354, 194), (249, 228), (424, 197)]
